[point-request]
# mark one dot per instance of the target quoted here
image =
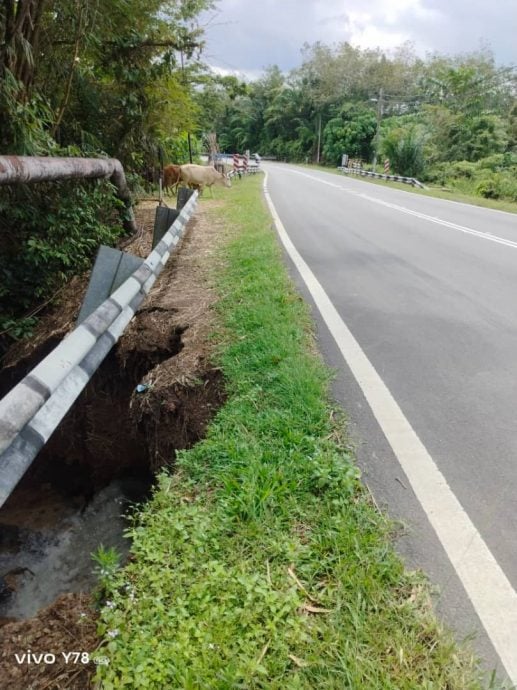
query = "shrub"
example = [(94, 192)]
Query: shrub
[(49, 232), (498, 186), (507, 183), (352, 132), (175, 149), (488, 188), (462, 169), (405, 149), (438, 174), (493, 163)]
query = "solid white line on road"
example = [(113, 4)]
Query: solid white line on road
[(408, 211), (488, 588)]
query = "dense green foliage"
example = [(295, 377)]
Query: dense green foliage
[(105, 77), (261, 563), (352, 130), (123, 78), (404, 146), (420, 113), (49, 233), (85, 78)]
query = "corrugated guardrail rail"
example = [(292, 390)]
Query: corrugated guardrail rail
[(392, 178), (32, 410)]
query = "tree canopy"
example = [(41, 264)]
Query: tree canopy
[(96, 76), (124, 77), (418, 112)]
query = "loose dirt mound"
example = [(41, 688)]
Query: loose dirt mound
[(183, 389), (113, 427)]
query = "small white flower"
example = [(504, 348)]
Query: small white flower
[(101, 660), (113, 633), (110, 604)]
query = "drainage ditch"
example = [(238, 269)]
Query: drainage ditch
[(99, 464), (101, 461)]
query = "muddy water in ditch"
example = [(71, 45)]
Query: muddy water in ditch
[(76, 495), (46, 542), (100, 460)]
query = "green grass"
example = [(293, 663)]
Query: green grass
[(261, 561), (438, 192)]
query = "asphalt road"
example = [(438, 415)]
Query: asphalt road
[(428, 288)]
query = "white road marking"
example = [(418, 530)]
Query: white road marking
[(488, 588), (482, 209), (408, 211)]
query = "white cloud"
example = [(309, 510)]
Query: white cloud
[(243, 75), (376, 24), (373, 37), (248, 35)]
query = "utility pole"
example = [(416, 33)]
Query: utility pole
[(378, 130), (319, 139), (185, 82)]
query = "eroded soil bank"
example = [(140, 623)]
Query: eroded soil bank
[(101, 461)]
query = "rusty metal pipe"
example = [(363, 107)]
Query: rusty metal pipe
[(28, 169)]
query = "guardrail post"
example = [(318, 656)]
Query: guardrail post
[(111, 268), (163, 220), (184, 194)]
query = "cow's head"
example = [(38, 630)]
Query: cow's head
[(226, 180)]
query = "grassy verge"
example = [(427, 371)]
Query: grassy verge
[(438, 192), (261, 562)]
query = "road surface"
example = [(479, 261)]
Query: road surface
[(425, 300)]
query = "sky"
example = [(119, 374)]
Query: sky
[(245, 36)]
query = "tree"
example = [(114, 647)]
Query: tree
[(351, 132), (23, 119), (468, 84), (404, 146), (102, 71), (215, 100), (458, 136)]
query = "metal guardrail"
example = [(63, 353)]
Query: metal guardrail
[(392, 178), (33, 409), (252, 169)]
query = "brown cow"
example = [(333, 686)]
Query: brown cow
[(171, 177)]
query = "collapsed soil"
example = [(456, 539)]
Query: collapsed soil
[(113, 429)]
